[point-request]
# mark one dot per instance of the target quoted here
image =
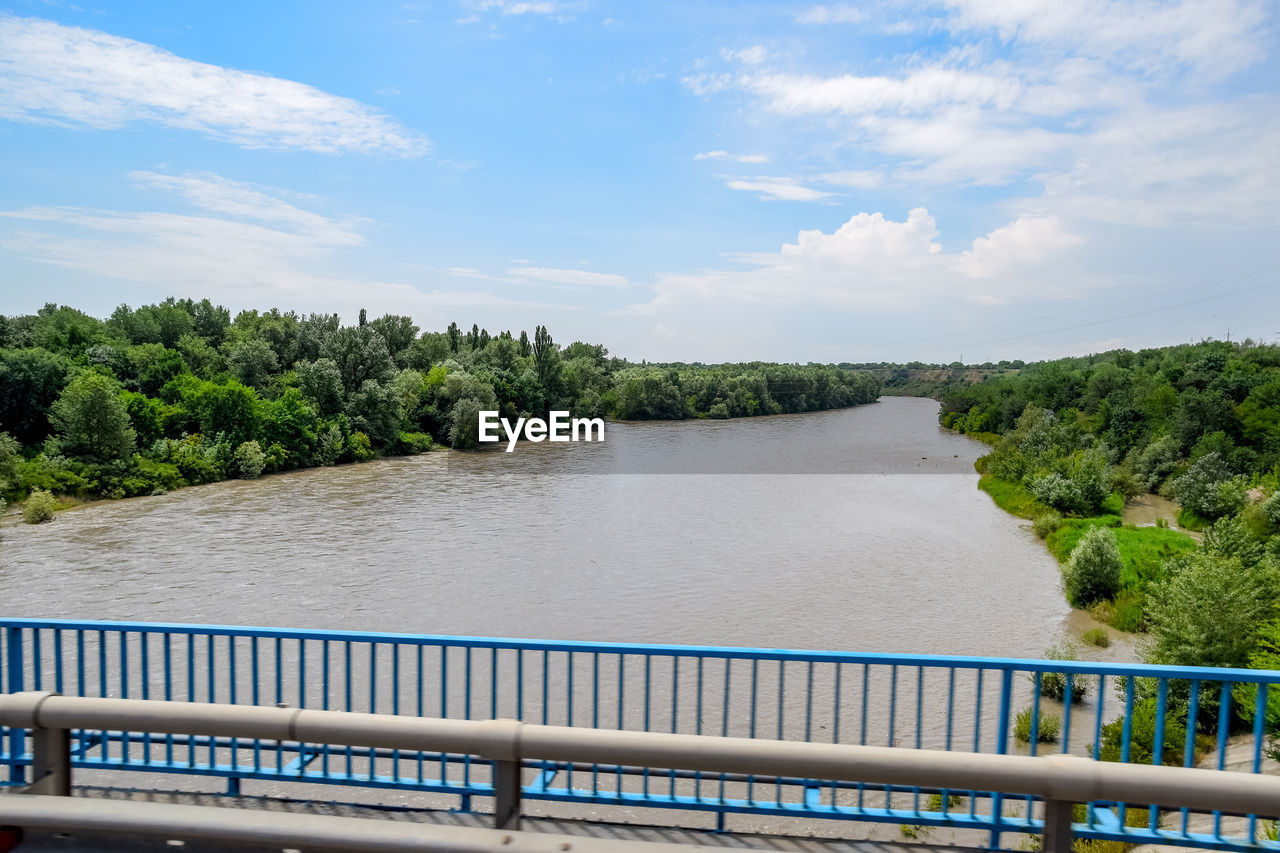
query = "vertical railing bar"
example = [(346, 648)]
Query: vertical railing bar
[(418, 653), (493, 683), (144, 641), (1224, 722), (568, 665), (724, 715), (951, 704), (1068, 700), (751, 779), (782, 692), (466, 715), (212, 686), (622, 680), (347, 688), (862, 735), (893, 716), (444, 704), (1157, 744), (595, 716), (1259, 715), (191, 693), (233, 784), (255, 675), (302, 672), (648, 672), (168, 692), (1189, 752), (675, 699), (373, 697), (697, 726), (37, 661), (808, 703)]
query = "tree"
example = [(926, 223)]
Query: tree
[(30, 380), (249, 460), (1209, 612), (321, 383), (1092, 572), (252, 361), (525, 349), (464, 423), (360, 354), (1208, 489), (91, 419), (10, 458), (453, 337)]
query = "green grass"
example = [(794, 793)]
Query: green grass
[(1143, 550), (1011, 497), (1097, 637), (1190, 520)]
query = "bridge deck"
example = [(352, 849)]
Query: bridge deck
[(48, 842)]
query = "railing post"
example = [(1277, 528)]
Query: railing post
[(50, 762), (13, 664), (506, 792), (1002, 748), (1057, 827)]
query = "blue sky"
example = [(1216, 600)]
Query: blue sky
[(982, 179)]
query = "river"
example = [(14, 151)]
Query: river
[(856, 529)]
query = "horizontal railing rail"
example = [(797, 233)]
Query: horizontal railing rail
[(966, 705), (1058, 781)]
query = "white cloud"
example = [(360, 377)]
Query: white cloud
[(1021, 244), (920, 91), (558, 8), (737, 158), (575, 278), (753, 55), (778, 189), (837, 13), (247, 246), (863, 179), (57, 74), (1215, 37), (871, 263)]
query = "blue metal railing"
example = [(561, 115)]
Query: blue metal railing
[(919, 701)]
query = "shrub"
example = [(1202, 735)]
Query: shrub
[(38, 507), (1054, 684), (1047, 728), (1142, 736), (1129, 612), (1208, 489), (1046, 523), (250, 460), (412, 443), (360, 446), (1097, 637), (1092, 571)]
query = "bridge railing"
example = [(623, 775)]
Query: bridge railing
[(1058, 781), (954, 704)]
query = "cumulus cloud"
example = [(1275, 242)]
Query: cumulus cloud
[(58, 74), (874, 263), (778, 189)]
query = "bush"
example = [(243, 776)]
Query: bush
[(1142, 736), (1092, 571), (413, 443), (360, 446), (1097, 637), (1046, 523), (1129, 612), (1054, 684), (38, 507), (1047, 728), (250, 460), (1208, 489)]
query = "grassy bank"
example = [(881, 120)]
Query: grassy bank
[(1143, 550)]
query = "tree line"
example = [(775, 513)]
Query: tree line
[(1197, 423), (178, 393)]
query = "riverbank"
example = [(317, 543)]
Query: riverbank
[(1143, 548)]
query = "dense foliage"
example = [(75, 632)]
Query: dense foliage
[(1197, 423), (179, 393)]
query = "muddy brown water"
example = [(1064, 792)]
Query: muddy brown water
[(860, 529)]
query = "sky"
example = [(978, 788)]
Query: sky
[(885, 181)]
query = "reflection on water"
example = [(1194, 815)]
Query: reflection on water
[(898, 551)]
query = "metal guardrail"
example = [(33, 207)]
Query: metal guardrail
[(1058, 781), (964, 705), (285, 830)]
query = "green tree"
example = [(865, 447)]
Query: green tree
[(1209, 612), (92, 420), (30, 380), (252, 361), (1092, 572), (360, 354), (464, 423)]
